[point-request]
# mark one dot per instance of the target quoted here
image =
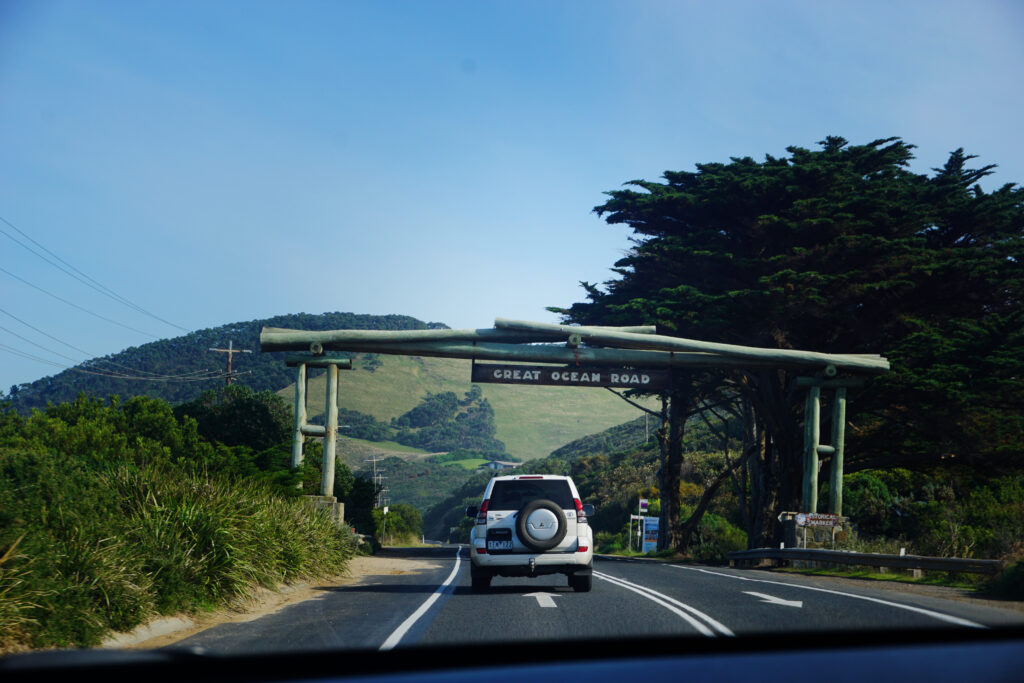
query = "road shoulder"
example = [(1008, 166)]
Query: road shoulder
[(172, 629)]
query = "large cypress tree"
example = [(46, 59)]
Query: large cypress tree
[(841, 249)]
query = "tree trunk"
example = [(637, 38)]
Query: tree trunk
[(663, 438), (776, 470), (670, 475), (687, 528), (741, 480)]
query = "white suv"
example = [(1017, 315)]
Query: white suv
[(528, 525)]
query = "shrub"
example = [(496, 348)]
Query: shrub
[(1009, 583), (403, 522), (716, 538)]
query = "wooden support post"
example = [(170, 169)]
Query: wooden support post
[(815, 442), (330, 433), (835, 504), (805, 494), (300, 417), (812, 432)]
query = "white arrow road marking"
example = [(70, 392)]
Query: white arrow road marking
[(771, 599), (543, 599), (404, 627), (948, 618)]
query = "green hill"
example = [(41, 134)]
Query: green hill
[(531, 421), (191, 353)]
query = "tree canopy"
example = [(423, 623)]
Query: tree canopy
[(840, 249), (238, 416)]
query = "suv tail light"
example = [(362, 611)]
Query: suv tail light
[(581, 518), (481, 516)]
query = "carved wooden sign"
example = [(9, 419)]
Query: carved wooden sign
[(571, 376)]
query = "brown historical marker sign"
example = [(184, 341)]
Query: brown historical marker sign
[(547, 375), (825, 519)]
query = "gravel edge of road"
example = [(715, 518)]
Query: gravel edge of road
[(166, 631)]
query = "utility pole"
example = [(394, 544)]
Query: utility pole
[(231, 351), (379, 496)]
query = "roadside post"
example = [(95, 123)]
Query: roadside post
[(328, 431)]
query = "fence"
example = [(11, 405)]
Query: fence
[(915, 563)]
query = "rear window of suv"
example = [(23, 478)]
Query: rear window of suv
[(514, 494)]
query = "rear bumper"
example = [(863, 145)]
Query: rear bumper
[(539, 570), (518, 564)]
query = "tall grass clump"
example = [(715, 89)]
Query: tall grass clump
[(207, 540), (128, 527)]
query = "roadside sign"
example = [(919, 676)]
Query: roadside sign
[(571, 376), (650, 534), (817, 519), (643, 503)]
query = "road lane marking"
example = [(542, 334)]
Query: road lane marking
[(910, 608), (404, 627), (543, 599), (771, 599), (672, 605)]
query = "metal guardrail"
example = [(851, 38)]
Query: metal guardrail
[(941, 564)]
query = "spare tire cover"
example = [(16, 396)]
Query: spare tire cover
[(540, 524)]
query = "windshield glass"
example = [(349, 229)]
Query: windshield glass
[(285, 285), (512, 495)]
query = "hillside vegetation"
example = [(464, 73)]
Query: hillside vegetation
[(530, 421), (191, 353)]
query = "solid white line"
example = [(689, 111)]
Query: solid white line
[(665, 601), (399, 632), (920, 610)]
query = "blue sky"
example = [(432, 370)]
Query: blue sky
[(222, 161)]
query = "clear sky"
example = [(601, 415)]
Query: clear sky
[(214, 162)]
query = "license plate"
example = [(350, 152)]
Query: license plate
[(499, 545)]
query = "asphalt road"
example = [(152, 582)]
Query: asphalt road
[(629, 598)]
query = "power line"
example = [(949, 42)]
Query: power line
[(56, 353), (91, 357), (210, 373), (168, 378), (70, 346), (74, 305), (79, 275)]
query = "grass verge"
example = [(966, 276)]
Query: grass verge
[(87, 549), (971, 582)]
